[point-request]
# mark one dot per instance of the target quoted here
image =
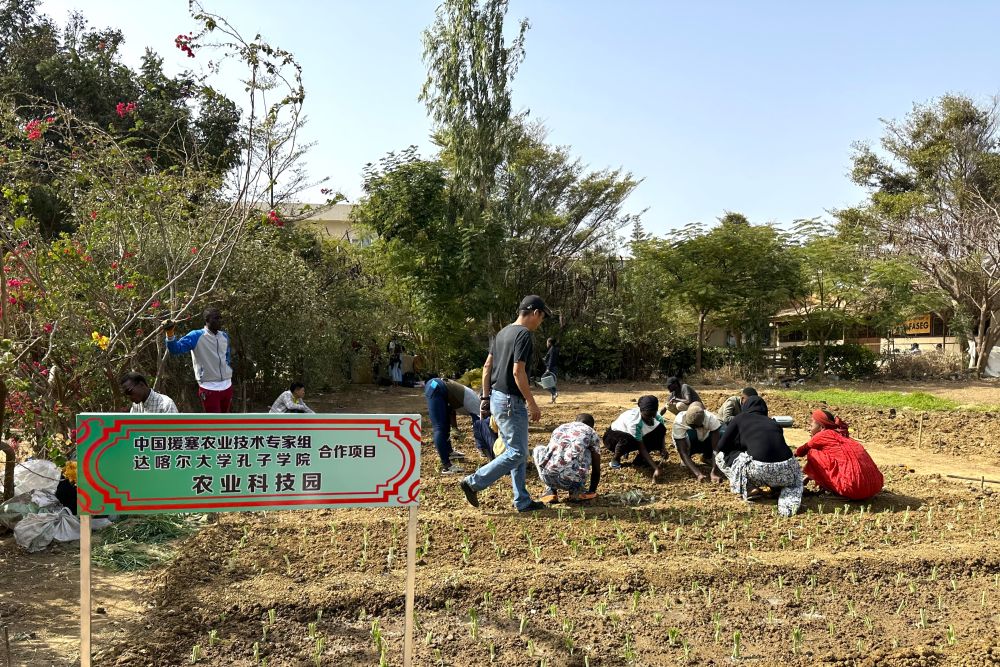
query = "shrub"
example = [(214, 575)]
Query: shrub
[(849, 361)]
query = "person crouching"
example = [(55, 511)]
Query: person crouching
[(573, 452), (753, 454), (836, 462)]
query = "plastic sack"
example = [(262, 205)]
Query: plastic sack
[(35, 474), (37, 531), (25, 504)]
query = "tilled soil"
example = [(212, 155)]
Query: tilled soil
[(692, 575)]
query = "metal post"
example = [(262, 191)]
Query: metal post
[(85, 590), (411, 577)]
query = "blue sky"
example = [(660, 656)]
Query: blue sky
[(740, 106)]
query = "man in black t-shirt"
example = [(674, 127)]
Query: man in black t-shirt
[(507, 395)]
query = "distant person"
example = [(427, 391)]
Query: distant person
[(445, 399), (681, 396), (914, 348), (733, 405), (144, 399), (292, 400), (395, 363), (697, 431), (836, 462), (753, 454), (639, 429), (938, 347), (572, 456), (551, 362), (211, 356), (508, 391)]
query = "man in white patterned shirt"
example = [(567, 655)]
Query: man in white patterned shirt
[(145, 400), (292, 400)]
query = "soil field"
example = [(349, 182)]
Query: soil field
[(689, 575)]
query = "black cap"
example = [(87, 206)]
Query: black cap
[(534, 302)]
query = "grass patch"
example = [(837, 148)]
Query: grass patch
[(916, 400), (141, 542)]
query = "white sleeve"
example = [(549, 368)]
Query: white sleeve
[(171, 406), (679, 431), (471, 402)]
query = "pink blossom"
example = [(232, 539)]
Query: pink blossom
[(34, 129)]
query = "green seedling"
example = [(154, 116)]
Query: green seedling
[(796, 640), (923, 618), (474, 623), (195, 653), (272, 616), (213, 637), (737, 636), (673, 634), (522, 623), (952, 639)]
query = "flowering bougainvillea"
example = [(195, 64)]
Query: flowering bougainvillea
[(183, 42), (275, 219), (34, 129), (123, 109)]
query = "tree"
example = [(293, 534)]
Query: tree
[(844, 285), (935, 198), (467, 93), (736, 272), (145, 242)]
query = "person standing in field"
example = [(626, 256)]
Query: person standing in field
[(507, 396), (836, 462), (211, 357), (551, 362)]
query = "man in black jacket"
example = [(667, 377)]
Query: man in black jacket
[(753, 453)]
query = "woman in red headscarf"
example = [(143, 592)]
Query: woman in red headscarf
[(836, 462)]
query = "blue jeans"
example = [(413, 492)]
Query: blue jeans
[(511, 414), (436, 394)]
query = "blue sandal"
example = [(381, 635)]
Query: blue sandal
[(615, 465)]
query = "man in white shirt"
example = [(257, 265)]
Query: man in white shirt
[(639, 429), (292, 400), (697, 431), (145, 400)]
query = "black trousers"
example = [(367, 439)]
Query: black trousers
[(622, 443)]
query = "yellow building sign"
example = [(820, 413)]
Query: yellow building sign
[(916, 326)]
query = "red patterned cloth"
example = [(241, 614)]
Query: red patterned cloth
[(841, 465)]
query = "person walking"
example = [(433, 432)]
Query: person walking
[(507, 396), (551, 361), (210, 350)]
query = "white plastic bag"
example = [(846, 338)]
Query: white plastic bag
[(25, 504), (35, 474), (37, 531)]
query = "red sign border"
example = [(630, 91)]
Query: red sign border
[(400, 489)]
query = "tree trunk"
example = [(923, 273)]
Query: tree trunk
[(8, 472), (986, 338), (701, 339)]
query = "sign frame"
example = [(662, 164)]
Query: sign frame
[(106, 438)]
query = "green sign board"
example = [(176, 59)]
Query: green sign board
[(153, 463)]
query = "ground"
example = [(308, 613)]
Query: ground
[(689, 575)]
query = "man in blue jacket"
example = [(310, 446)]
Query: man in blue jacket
[(211, 357)]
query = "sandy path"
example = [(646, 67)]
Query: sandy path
[(921, 462)]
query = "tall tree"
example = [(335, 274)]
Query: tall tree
[(935, 197), (724, 272)]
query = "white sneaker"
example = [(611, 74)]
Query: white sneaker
[(454, 469), (456, 455)]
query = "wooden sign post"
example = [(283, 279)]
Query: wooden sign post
[(162, 463)]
